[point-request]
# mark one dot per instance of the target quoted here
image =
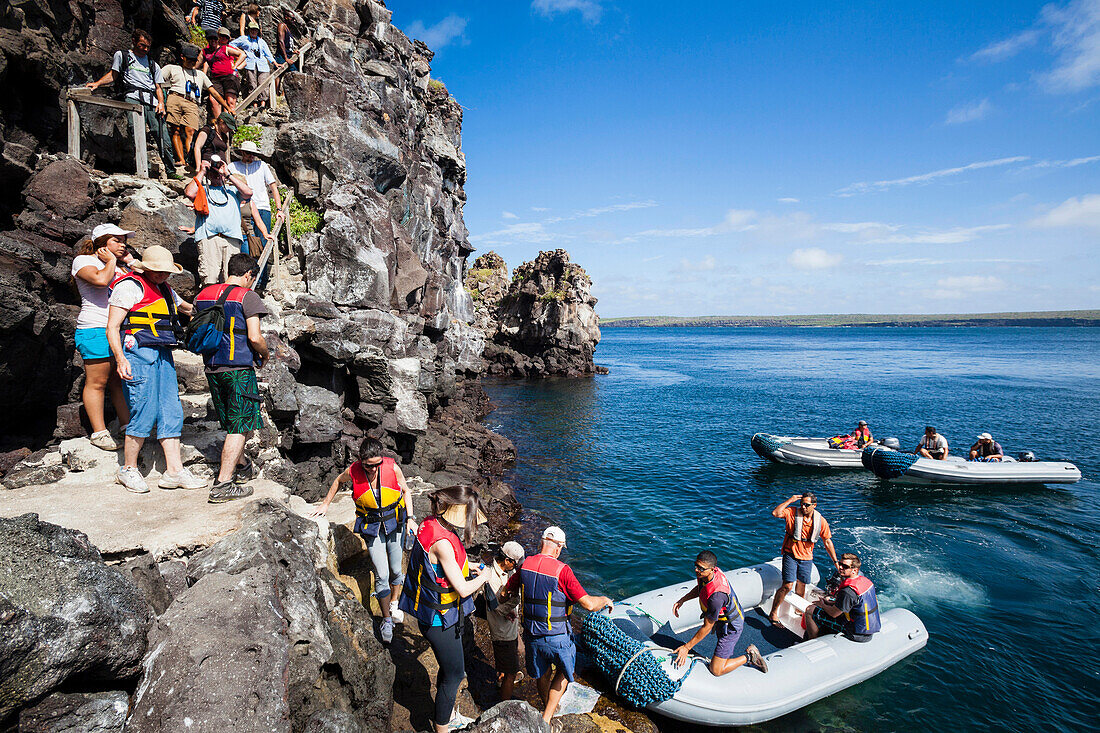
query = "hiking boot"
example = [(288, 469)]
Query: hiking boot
[(103, 440), (756, 659), (182, 480), (387, 630), (228, 491), (245, 472), (396, 614), (132, 479)]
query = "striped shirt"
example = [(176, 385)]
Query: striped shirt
[(210, 13)]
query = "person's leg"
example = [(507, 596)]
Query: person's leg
[(118, 397), (232, 450), (97, 372), (209, 261), (924, 453), (379, 559), (789, 570), (262, 78), (506, 658), (159, 130), (141, 401), (169, 410), (395, 552), (447, 646), (177, 141), (131, 447), (812, 628), (804, 574), (720, 665), (554, 694), (543, 685)]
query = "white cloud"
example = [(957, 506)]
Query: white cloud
[(1007, 48), (1083, 211), (1073, 163), (706, 264), (539, 208), (865, 187), (597, 211), (813, 258), (956, 235), (788, 200), (1075, 33), (590, 10), (508, 215), (526, 232), (735, 220), (926, 261), (963, 285), (441, 34), (969, 112)]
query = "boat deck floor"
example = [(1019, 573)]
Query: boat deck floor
[(757, 630)]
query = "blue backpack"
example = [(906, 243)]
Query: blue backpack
[(203, 334)]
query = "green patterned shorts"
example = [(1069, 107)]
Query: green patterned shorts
[(236, 400)]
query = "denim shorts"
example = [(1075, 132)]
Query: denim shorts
[(153, 394), (727, 639), (92, 343), (545, 651), (793, 569)]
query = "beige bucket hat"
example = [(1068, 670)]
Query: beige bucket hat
[(156, 259)]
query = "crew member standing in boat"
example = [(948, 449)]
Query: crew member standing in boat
[(721, 614), (804, 526), (854, 613)]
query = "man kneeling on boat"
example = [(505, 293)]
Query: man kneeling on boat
[(853, 613), (722, 614)]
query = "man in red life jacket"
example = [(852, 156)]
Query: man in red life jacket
[(804, 526), (862, 434), (549, 590), (230, 371), (854, 613), (721, 614)]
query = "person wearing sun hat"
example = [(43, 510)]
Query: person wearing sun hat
[(437, 592), (101, 259), (142, 328), (258, 58), (986, 449), (265, 190)]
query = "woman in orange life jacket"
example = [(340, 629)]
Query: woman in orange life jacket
[(383, 505), (853, 613), (437, 591), (721, 614)]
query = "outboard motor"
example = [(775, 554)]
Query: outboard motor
[(893, 443), (1026, 457)]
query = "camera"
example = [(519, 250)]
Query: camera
[(215, 160)]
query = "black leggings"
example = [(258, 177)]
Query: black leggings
[(447, 646)]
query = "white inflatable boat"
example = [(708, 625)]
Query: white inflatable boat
[(813, 452), (908, 468), (799, 672)]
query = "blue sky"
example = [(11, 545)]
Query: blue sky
[(779, 158)]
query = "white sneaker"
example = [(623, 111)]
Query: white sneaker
[(103, 440), (182, 480), (396, 615), (132, 479), (458, 721)]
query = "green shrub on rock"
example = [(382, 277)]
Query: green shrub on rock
[(247, 133), (302, 219)]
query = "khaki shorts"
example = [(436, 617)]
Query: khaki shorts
[(214, 254), (182, 112)]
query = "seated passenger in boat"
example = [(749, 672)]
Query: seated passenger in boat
[(854, 611), (932, 445), (860, 437), (721, 614), (986, 449)]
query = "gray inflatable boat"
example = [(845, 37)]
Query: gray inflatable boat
[(812, 452), (908, 468), (799, 672)]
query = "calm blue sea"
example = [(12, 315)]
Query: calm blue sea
[(649, 464)]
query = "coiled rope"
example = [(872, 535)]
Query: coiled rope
[(638, 676), (765, 445), (886, 463)]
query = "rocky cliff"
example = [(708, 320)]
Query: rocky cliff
[(371, 323), (542, 323)]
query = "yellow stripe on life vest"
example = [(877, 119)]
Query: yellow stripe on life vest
[(866, 616), (419, 585), (549, 595), (232, 340)]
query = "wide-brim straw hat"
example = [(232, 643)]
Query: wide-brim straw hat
[(248, 147), (456, 515), (156, 259)]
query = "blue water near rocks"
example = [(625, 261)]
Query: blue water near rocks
[(649, 464)]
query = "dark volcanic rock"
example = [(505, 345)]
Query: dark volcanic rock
[(266, 638), (145, 573), (84, 712), (64, 613)]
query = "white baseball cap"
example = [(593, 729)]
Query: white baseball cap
[(513, 551), (104, 230), (985, 436), (554, 533)]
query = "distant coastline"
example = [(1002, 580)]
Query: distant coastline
[(1074, 318)]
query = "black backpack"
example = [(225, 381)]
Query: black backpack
[(203, 334), (120, 88)]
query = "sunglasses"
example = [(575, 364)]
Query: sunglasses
[(847, 567), (373, 465), (701, 569), (807, 505)]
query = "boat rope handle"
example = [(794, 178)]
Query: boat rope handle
[(642, 611), (695, 659), (637, 654)]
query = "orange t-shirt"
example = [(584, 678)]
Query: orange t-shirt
[(802, 548)]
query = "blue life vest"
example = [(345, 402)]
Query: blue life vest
[(546, 608), (730, 614), (234, 351), (427, 593), (863, 618)]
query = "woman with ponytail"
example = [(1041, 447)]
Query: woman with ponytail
[(438, 591)]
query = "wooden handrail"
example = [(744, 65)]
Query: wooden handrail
[(243, 105), (273, 242), (137, 118)]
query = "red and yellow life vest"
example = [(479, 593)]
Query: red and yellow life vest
[(863, 618), (720, 584), (382, 507), (234, 350), (546, 608), (152, 320)]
